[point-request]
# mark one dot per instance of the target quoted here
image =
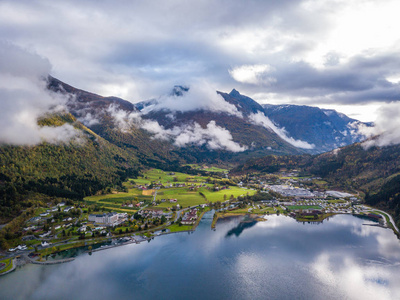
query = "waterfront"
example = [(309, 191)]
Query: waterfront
[(277, 259)]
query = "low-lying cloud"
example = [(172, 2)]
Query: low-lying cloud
[(24, 98), (260, 119), (386, 127), (213, 136)]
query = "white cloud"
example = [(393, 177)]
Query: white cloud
[(260, 119), (24, 97), (89, 120), (201, 95), (386, 126), (253, 74), (213, 136)]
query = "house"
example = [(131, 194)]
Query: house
[(67, 209), (45, 244), (45, 234), (35, 219)]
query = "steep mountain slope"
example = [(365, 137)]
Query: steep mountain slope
[(326, 129), (165, 136), (254, 138), (109, 118), (85, 102), (243, 103), (74, 169)]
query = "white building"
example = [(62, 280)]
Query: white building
[(108, 219)]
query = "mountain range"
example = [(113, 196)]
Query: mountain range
[(115, 139), (327, 129), (309, 129), (231, 125)]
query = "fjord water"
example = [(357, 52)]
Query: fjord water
[(277, 259)]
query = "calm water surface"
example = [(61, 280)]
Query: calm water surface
[(276, 259)]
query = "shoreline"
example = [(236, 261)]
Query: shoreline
[(219, 215), (216, 216)]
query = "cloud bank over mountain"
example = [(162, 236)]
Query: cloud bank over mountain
[(262, 120), (24, 98), (386, 127), (199, 96), (212, 136)]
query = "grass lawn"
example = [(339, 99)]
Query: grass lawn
[(263, 210), (177, 228), (239, 211), (337, 201)]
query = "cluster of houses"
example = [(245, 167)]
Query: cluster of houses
[(190, 217), (153, 213), (54, 209), (157, 186)]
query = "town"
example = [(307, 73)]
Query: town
[(165, 202)]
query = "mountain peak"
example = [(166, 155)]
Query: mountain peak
[(234, 93), (179, 90)]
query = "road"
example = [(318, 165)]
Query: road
[(391, 220), (383, 213), (178, 214)]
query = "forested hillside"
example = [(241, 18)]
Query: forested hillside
[(72, 170)]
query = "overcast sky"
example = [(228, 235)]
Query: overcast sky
[(338, 54)]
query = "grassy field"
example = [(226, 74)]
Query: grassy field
[(159, 176), (296, 207), (265, 210), (187, 198), (207, 168), (184, 196), (337, 201), (114, 201), (177, 228)]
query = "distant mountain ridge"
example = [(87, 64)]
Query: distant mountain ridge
[(327, 129)]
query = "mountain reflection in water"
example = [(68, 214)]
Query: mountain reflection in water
[(240, 227)]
